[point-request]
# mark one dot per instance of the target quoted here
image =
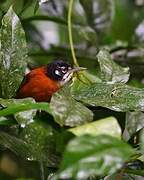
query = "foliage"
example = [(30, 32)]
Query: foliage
[(93, 127), (98, 155)]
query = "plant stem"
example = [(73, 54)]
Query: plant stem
[(70, 33)]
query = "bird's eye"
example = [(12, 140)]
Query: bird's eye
[(57, 72)]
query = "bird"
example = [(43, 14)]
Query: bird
[(42, 82)]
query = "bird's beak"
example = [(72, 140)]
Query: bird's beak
[(69, 74), (76, 69)]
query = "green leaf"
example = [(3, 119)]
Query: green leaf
[(86, 156), (117, 97), (15, 144), (25, 8), (13, 54), (67, 111), (110, 70), (38, 141), (7, 121), (107, 126), (134, 122), (83, 79), (124, 15), (4, 6), (13, 106), (45, 18), (23, 109), (41, 139)]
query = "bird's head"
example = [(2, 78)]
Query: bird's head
[(61, 71)]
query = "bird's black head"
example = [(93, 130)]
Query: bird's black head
[(58, 70)]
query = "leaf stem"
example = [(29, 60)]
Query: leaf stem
[(71, 37), (70, 32)]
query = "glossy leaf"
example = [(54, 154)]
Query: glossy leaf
[(13, 54), (82, 80), (110, 70), (12, 106), (67, 111), (107, 126), (41, 139), (23, 109), (134, 122), (37, 141), (86, 156), (117, 97)]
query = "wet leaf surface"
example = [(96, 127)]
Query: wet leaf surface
[(93, 155), (134, 122), (117, 97), (41, 138), (110, 70), (37, 141), (82, 80), (67, 111), (13, 54), (23, 110), (107, 126)]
